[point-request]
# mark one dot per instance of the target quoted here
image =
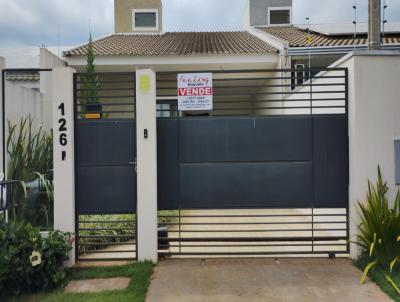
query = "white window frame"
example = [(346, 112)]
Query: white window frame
[(289, 8), (140, 28)]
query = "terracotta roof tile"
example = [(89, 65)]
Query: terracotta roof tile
[(297, 37), (176, 43)]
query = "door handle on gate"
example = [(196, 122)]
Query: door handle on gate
[(133, 164)]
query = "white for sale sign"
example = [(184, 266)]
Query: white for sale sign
[(195, 92)]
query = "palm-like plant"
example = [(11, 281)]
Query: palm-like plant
[(30, 158), (379, 229)]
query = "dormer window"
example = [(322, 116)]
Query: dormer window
[(279, 15), (145, 19)]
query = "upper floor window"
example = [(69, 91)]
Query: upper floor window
[(145, 19), (279, 15)]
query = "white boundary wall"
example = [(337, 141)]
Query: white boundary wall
[(146, 165), (64, 170), (374, 124)]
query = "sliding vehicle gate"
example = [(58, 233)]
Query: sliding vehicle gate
[(105, 148), (264, 173)]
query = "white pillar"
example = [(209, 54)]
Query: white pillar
[(146, 165), (63, 125)]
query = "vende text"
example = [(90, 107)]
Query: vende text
[(195, 91)]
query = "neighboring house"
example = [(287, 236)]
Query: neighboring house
[(27, 92), (314, 45), (270, 40)]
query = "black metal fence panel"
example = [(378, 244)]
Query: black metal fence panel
[(105, 157), (248, 162), (244, 139), (330, 161)]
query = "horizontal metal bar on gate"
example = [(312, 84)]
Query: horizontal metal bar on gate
[(122, 73), (277, 108), (254, 79), (253, 216), (173, 99), (253, 223), (108, 236), (257, 231), (253, 239), (107, 111), (256, 245), (107, 252), (268, 107), (266, 93), (262, 86), (252, 253), (264, 108), (281, 101), (107, 259), (259, 70), (107, 229), (105, 243), (105, 89), (103, 82), (106, 97), (108, 221), (109, 104), (282, 107)]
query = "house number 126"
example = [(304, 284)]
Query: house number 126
[(63, 138)]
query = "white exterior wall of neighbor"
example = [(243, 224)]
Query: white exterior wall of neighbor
[(64, 174), (22, 102), (48, 60)]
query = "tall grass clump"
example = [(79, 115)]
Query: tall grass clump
[(30, 159), (379, 231)]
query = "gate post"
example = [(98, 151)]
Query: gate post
[(63, 148), (146, 146)]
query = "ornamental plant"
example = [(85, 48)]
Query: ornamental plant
[(28, 262), (89, 93), (379, 231), (30, 154)]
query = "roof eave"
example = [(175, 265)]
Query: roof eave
[(319, 50)]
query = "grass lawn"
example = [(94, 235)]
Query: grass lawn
[(140, 279), (379, 278)]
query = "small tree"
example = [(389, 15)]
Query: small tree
[(91, 80), (90, 67)]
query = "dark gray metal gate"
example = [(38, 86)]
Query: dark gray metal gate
[(105, 156), (264, 173)]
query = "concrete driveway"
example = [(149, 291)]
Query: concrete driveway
[(297, 280)]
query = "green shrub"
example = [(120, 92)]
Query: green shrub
[(379, 230), (30, 156), (28, 262)]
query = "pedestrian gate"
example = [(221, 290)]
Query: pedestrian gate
[(105, 148)]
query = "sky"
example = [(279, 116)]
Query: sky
[(46, 22)]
